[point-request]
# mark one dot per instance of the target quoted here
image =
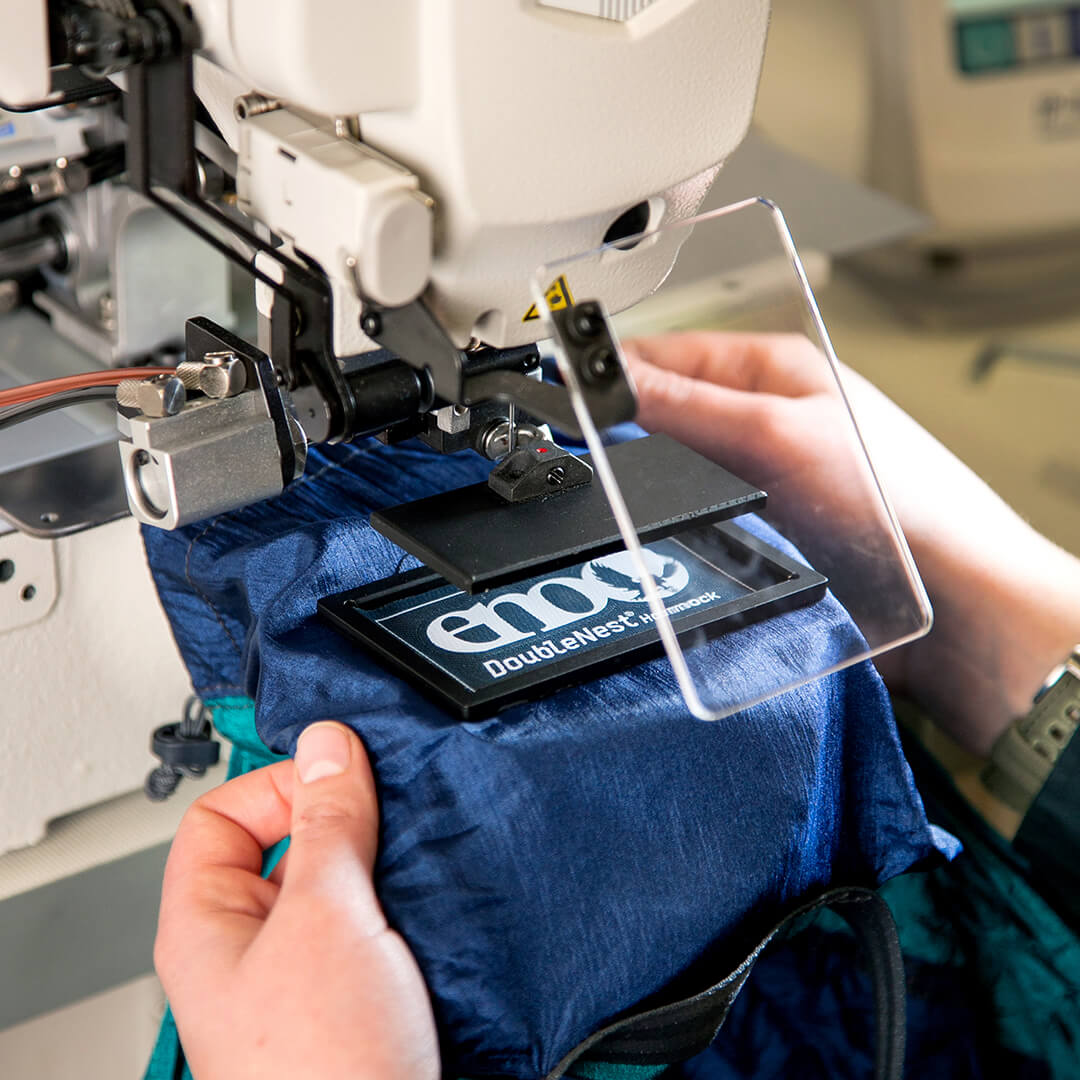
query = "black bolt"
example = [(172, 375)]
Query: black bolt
[(140, 459), (588, 322), (556, 476), (600, 365), (371, 324)]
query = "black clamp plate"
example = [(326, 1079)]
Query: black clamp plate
[(477, 541)]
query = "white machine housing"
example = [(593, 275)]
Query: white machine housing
[(531, 127)]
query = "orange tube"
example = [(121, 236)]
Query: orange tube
[(18, 395)]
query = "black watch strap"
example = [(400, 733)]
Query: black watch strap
[(1027, 753)]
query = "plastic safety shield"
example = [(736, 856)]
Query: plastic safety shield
[(730, 358)]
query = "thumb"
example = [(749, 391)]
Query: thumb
[(335, 816)]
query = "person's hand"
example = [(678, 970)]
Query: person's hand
[(1006, 600), (297, 976)]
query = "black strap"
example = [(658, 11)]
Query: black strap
[(683, 1029)]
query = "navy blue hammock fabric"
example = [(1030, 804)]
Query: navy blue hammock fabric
[(553, 866)]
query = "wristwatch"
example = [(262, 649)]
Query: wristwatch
[(1025, 755)]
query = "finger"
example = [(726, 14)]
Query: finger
[(335, 822), (277, 875), (234, 824), (717, 421), (785, 364), (213, 897)]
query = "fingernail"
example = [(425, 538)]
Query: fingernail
[(322, 750)]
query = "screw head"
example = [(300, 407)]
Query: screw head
[(371, 324), (600, 365), (223, 375), (587, 322), (107, 311), (163, 395)]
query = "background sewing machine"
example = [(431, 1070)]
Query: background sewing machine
[(976, 113), (127, 657)]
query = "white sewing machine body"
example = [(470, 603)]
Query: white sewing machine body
[(420, 150)]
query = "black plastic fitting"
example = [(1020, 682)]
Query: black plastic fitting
[(189, 752)]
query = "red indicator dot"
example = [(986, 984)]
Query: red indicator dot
[(541, 449)]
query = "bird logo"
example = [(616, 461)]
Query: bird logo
[(617, 575)]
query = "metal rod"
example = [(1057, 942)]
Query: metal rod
[(29, 254)]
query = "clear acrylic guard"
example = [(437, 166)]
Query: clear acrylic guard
[(760, 394)]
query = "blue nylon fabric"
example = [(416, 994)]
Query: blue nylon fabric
[(553, 866)]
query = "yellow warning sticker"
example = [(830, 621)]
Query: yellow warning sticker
[(558, 296)]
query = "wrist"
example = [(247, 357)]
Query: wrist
[(1007, 610)]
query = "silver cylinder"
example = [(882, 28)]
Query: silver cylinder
[(29, 254)]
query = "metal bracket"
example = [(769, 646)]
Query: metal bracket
[(163, 167), (204, 336), (415, 335)]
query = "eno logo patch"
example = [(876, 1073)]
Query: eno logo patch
[(480, 640), (555, 603), (479, 653)]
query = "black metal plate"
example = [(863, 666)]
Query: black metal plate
[(477, 541), (533, 642)]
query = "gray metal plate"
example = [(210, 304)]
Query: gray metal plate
[(59, 473), (66, 494)]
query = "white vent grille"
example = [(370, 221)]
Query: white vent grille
[(618, 10)]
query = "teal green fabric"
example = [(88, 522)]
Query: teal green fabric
[(982, 915), (599, 1070), (234, 719), (163, 1060)]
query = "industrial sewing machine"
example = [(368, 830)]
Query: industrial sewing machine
[(384, 179)]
